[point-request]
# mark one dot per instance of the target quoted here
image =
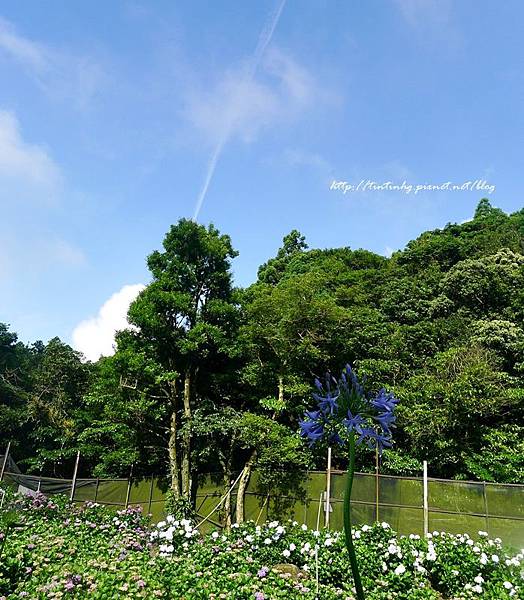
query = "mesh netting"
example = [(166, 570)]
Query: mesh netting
[(454, 506)]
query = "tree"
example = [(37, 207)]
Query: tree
[(15, 372), (294, 243), (278, 455), (185, 322), (127, 428), (55, 405)]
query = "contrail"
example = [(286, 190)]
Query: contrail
[(263, 41)]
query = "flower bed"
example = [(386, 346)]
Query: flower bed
[(59, 551)]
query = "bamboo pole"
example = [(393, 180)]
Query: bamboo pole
[(319, 509), (4, 463), (75, 473), (328, 488), (151, 488), (485, 506), (425, 498), (129, 482), (377, 481), (262, 509)]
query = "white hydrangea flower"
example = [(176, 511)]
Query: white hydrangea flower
[(400, 569)]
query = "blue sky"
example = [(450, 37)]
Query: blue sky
[(110, 113)]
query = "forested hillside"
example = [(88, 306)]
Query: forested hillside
[(215, 378)]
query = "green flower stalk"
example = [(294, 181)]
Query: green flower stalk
[(345, 412)]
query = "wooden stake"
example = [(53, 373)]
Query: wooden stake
[(129, 482), (376, 483), (425, 497), (73, 483), (96, 489), (151, 495), (4, 463), (328, 488)]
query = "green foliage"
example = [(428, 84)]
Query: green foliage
[(207, 367), (93, 552), (179, 508), (501, 455)]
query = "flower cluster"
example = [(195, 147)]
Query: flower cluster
[(172, 533), (95, 552), (344, 408)]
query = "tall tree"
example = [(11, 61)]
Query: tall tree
[(185, 322), (55, 404)]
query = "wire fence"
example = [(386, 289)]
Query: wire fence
[(452, 506)]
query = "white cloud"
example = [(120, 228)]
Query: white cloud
[(24, 167), (432, 20), (61, 251), (60, 74), (419, 12), (240, 106), (301, 158), (95, 337), (23, 50), (311, 162), (388, 252)]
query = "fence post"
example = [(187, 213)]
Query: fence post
[(75, 473), (96, 489), (150, 495), (376, 483), (319, 509), (4, 463), (425, 498), (129, 482), (485, 506), (328, 488)]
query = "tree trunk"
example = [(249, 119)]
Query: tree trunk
[(242, 486), (280, 390), (186, 439), (173, 455), (226, 478)]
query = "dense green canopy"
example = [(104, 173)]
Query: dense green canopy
[(214, 378)]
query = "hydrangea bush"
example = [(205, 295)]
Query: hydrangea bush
[(61, 551)]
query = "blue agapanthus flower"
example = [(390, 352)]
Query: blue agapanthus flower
[(344, 408)]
